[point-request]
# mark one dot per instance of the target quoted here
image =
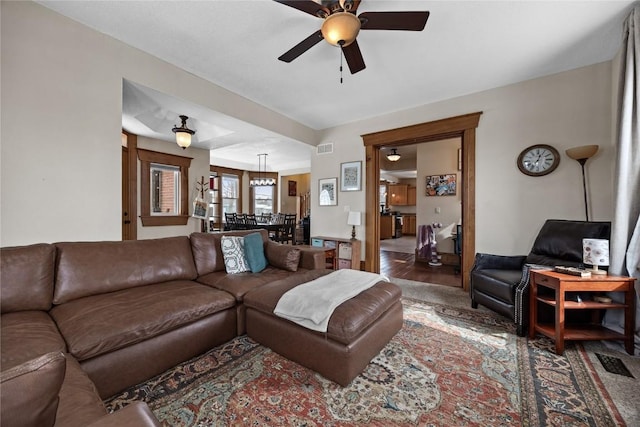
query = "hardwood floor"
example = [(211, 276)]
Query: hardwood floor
[(401, 265)]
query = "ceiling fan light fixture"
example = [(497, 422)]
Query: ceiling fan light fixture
[(393, 156), (340, 28), (183, 133)]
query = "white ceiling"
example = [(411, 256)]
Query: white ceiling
[(466, 47)]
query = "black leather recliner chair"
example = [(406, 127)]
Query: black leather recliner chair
[(501, 283)]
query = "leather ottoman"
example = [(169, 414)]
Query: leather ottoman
[(358, 329)]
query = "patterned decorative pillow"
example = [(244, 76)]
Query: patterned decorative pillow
[(233, 254)]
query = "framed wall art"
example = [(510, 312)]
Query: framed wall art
[(328, 194), (441, 185), (293, 188), (351, 176)]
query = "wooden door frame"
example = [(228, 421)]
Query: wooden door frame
[(463, 127), (131, 178)]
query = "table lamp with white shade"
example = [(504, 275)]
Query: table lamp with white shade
[(353, 219), (595, 252)]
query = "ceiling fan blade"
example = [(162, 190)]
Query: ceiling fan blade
[(407, 21), (354, 57), (307, 6), (302, 47)]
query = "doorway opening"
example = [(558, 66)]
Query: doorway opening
[(423, 244), (459, 126)]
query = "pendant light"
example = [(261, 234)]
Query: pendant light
[(393, 156), (183, 133), (262, 179)]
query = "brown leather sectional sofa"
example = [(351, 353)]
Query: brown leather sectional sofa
[(82, 321)]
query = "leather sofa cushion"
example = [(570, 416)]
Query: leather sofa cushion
[(92, 268), (30, 391), (102, 323), (241, 283), (500, 284), (559, 242), (25, 335), (26, 274), (80, 403), (347, 321), (207, 249), (286, 257)]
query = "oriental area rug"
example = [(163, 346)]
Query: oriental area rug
[(446, 367)]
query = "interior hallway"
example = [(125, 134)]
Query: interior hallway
[(397, 260)]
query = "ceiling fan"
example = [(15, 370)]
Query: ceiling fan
[(341, 26)]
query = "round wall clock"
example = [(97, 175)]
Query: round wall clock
[(538, 160)]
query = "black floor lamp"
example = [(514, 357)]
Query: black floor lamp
[(582, 154)]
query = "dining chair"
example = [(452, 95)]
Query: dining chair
[(230, 221), (250, 221), (287, 233)]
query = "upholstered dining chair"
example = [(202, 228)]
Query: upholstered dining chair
[(501, 283)]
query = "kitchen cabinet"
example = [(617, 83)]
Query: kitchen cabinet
[(409, 224), (386, 226), (397, 194), (411, 196)]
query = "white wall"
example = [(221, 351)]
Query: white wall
[(61, 122), (564, 110), (198, 168)]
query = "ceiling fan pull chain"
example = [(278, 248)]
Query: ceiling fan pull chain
[(340, 65)]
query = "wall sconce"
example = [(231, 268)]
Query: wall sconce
[(183, 133), (582, 154), (353, 220), (595, 252)]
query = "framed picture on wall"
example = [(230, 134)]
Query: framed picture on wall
[(441, 185), (293, 188), (328, 192), (351, 176)]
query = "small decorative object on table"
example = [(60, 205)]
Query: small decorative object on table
[(595, 252)]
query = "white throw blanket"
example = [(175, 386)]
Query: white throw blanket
[(311, 304)]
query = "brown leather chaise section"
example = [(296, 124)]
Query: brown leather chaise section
[(358, 329)]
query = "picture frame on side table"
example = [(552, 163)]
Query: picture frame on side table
[(351, 176), (328, 192)]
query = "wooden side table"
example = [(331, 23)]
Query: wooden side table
[(587, 287)]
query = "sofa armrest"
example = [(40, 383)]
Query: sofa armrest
[(137, 414), (498, 262), (312, 258)]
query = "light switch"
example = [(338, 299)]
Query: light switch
[(438, 209)]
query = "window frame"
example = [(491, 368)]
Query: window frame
[(257, 175), (147, 157), (220, 170)]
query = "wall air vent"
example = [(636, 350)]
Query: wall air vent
[(325, 148)]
